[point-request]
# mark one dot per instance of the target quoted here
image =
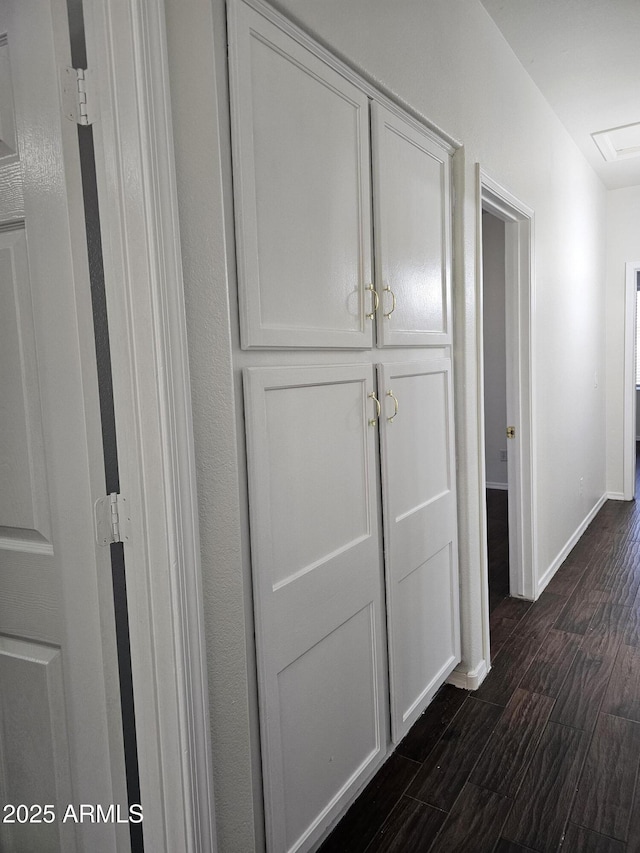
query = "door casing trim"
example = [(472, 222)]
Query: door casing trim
[(126, 48), (520, 305)]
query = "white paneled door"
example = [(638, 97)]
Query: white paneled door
[(317, 567), (413, 232), (302, 190), (419, 500), (60, 730)]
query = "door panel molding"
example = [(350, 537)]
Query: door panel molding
[(126, 47)]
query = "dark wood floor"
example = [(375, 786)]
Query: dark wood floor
[(498, 546), (545, 755)]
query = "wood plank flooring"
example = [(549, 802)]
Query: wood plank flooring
[(545, 755), (498, 545)]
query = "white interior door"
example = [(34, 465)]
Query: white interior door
[(317, 591), (420, 518), (411, 178), (60, 729), (302, 192)]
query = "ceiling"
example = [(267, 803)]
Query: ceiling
[(584, 56)]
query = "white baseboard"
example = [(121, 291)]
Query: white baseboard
[(615, 496), (469, 679), (564, 553), (504, 487)]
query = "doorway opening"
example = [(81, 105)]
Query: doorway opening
[(495, 407), (505, 351)]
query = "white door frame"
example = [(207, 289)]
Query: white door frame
[(126, 48), (629, 418), (519, 305)]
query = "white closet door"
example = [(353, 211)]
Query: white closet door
[(317, 591), (60, 723), (302, 192), (419, 501), (413, 233)]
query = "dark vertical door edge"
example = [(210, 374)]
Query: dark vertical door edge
[(109, 438)]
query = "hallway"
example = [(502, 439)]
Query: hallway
[(544, 756)]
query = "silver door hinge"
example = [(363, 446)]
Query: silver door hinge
[(112, 519), (78, 102)]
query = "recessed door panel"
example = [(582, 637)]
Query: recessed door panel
[(33, 747), (8, 138), (421, 558), (301, 182), (11, 189), (413, 233), (421, 467), (324, 752), (424, 603), (319, 490), (24, 514), (317, 579)]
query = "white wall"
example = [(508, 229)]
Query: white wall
[(202, 163), (495, 365), (449, 63), (623, 245)]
